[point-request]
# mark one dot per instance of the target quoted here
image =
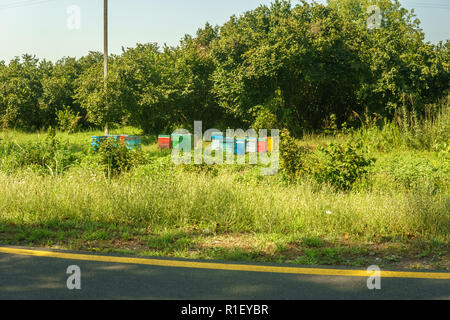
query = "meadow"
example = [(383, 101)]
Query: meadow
[(57, 193)]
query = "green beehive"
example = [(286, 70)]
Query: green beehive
[(182, 141), (176, 139)]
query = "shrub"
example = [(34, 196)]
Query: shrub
[(292, 156), (340, 165), (431, 132), (413, 170), (264, 118), (67, 120), (330, 126), (115, 157)]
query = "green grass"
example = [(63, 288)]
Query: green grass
[(399, 215)]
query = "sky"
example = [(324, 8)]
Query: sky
[(40, 27)]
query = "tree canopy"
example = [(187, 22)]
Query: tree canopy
[(293, 64)]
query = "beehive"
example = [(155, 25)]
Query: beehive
[(262, 145), (164, 142), (240, 146), (132, 142), (252, 145), (217, 140), (269, 144), (229, 145)]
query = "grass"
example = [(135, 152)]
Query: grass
[(398, 216)]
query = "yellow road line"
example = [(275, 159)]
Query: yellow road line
[(223, 266)]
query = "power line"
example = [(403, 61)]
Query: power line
[(23, 4), (426, 7), (428, 3), (7, 4), (434, 5)]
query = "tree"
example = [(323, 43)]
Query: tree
[(292, 60), (287, 65), (404, 70), (58, 90), (103, 105), (20, 90)]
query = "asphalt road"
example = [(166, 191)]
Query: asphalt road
[(41, 277)]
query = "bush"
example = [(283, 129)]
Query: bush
[(264, 119), (430, 133), (340, 165), (330, 126), (67, 120), (292, 156), (116, 158)]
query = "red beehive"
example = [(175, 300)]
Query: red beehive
[(262, 145), (164, 142), (122, 138)]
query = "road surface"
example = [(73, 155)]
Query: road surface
[(42, 274)]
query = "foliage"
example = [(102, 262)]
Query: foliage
[(408, 130), (341, 165), (414, 171), (284, 65), (20, 90), (115, 158), (47, 156), (264, 119), (67, 120), (292, 156), (58, 88), (103, 103), (330, 126)]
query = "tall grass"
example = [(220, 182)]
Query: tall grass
[(175, 199), (407, 191), (430, 132)]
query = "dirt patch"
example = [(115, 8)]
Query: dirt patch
[(244, 242), (134, 245)]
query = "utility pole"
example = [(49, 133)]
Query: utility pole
[(105, 53)]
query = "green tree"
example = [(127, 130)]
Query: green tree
[(103, 104), (58, 89), (404, 70), (293, 60), (20, 91)]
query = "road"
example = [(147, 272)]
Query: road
[(42, 274)]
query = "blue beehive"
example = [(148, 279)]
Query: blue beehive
[(96, 141), (240, 146), (217, 141), (132, 142)]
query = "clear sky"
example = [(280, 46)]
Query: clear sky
[(40, 26)]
